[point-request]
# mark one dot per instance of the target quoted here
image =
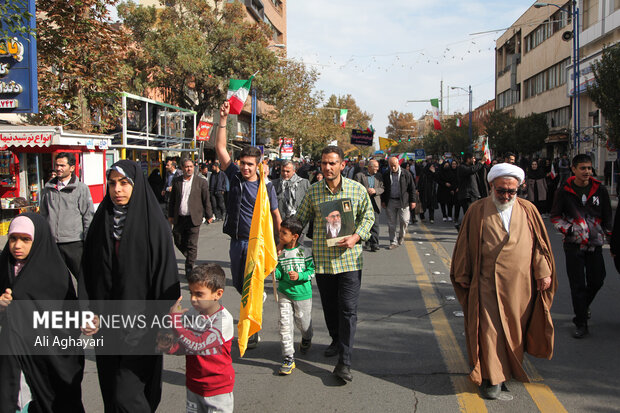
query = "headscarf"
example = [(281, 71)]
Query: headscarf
[(54, 379), (120, 211), (21, 225), (144, 268), (538, 173), (506, 169)]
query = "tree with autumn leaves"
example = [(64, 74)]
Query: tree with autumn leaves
[(81, 67)]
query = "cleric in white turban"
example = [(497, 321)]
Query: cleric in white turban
[(503, 274), (506, 169)]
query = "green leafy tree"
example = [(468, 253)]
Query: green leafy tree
[(15, 19), (191, 48), (606, 91), (500, 128), (81, 69), (530, 133)]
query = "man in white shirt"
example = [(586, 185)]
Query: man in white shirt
[(189, 204)]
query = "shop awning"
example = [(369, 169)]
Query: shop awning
[(20, 136), (44, 136)]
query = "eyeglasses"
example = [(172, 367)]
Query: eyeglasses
[(503, 191)]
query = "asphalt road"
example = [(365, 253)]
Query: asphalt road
[(409, 352)]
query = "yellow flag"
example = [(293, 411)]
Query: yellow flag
[(261, 260), (385, 143)]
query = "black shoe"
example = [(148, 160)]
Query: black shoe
[(305, 345), (253, 341), (331, 350), (580, 332), (589, 313), (344, 372), (374, 248), (489, 391)]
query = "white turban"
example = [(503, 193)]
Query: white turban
[(506, 170)]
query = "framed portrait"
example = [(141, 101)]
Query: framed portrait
[(338, 221)]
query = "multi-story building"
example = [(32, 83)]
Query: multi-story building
[(534, 70), (600, 27), (530, 71)]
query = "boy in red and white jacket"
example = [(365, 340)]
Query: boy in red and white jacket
[(204, 334)]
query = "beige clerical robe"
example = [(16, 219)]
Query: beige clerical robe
[(505, 315)]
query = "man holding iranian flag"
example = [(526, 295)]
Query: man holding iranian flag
[(246, 189)]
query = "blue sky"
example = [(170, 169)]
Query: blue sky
[(384, 53)]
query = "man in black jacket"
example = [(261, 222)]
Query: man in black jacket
[(217, 186), (582, 213), (398, 196), (467, 178), (189, 204)]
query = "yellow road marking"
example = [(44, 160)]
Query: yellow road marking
[(466, 391), (541, 394)]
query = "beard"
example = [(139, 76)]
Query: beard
[(502, 206), (334, 229)]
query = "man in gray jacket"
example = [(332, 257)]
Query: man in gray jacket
[(290, 189), (67, 205), (373, 182)]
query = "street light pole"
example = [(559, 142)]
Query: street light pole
[(469, 92), (574, 13)]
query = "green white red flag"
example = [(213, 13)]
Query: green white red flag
[(436, 122), (487, 151), (458, 122), (238, 91), (343, 117)]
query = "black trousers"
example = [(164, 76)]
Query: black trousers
[(130, 384), (218, 204), (586, 274), (185, 235), (72, 255), (339, 296), (374, 232)]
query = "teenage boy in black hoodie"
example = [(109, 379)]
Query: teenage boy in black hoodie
[(582, 213)]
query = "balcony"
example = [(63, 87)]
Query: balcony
[(256, 8)]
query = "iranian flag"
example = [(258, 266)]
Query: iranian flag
[(238, 91), (552, 173), (343, 117), (435, 105), (487, 151), (458, 122)]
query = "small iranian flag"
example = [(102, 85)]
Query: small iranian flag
[(238, 91), (343, 117), (487, 151), (552, 173), (458, 122), (435, 105)]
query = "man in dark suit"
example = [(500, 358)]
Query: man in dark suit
[(373, 182), (189, 204), (398, 196)]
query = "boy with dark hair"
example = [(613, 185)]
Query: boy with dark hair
[(243, 181), (582, 213), (295, 271), (204, 334)]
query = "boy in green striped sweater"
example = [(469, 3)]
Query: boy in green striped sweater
[(294, 272)]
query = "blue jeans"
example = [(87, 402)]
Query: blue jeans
[(238, 252)]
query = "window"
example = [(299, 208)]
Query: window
[(508, 98), (558, 118), (546, 80), (590, 13), (548, 28)]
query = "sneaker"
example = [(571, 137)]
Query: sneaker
[(374, 248), (253, 341), (287, 366), (343, 371), (449, 219), (393, 246), (445, 219), (305, 345), (432, 221), (401, 240)]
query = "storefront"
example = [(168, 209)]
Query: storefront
[(27, 155)]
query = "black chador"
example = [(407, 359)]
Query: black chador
[(129, 255)]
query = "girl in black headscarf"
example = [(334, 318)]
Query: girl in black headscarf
[(129, 255), (31, 271), (536, 183)]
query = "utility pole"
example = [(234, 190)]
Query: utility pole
[(441, 97)]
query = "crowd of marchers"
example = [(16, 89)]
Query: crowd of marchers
[(503, 268)]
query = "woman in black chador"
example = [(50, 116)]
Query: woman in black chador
[(32, 270), (129, 255)]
